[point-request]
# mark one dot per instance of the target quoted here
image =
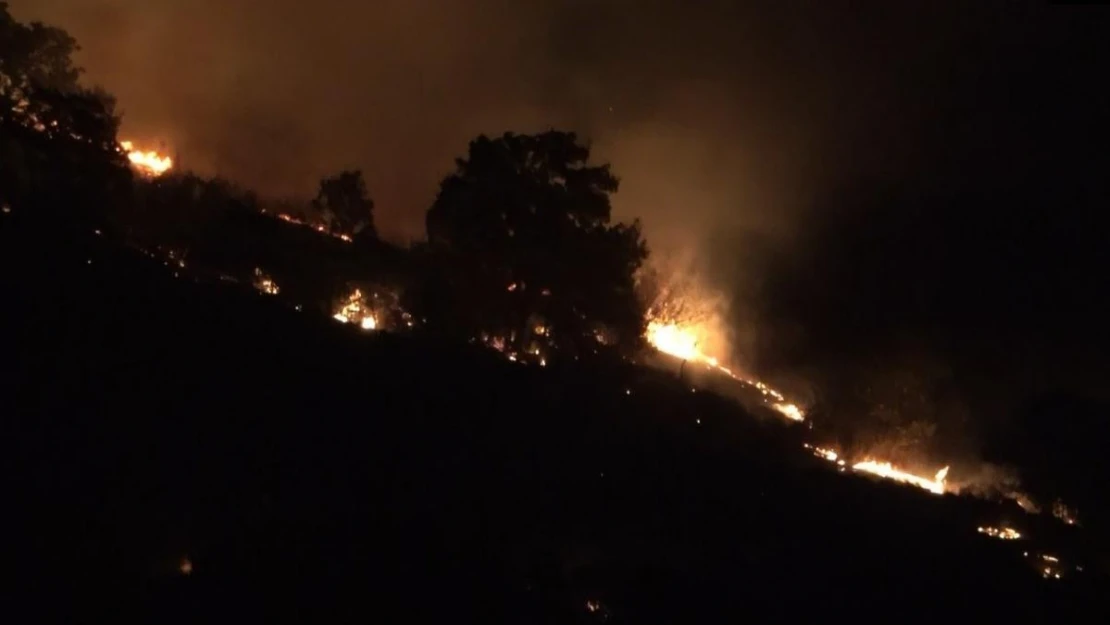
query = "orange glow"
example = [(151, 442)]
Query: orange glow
[(317, 227), (683, 341), (1001, 533), (888, 471), (149, 163), (353, 309), (265, 283), (674, 340)]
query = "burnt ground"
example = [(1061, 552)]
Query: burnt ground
[(317, 475)]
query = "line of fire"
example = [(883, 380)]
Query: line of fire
[(369, 306)]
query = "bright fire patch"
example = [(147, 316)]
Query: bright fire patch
[(149, 163), (890, 472), (683, 342)]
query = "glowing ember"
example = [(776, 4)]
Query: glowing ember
[(1002, 533), (148, 163), (185, 566), (265, 283), (888, 471), (1051, 566), (1064, 513), (317, 227)]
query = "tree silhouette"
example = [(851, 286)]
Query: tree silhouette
[(58, 146), (523, 231), (34, 56), (345, 203)]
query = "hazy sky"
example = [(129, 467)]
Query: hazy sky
[(874, 162), (716, 114)]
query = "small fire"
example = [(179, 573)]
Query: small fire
[(148, 163), (790, 411), (827, 454), (265, 283), (355, 310), (1001, 533), (1064, 513), (890, 472), (937, 485), (318, 227), (1051, 566), (682, 342)]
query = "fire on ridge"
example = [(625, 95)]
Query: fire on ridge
[(681, 341), (147, 163)]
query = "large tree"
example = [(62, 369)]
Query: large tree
[(523, 229), (58, 145), (343, 200)]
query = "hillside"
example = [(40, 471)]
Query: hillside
[(312, 473)]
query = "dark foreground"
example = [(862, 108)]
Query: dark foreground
[(312, 475)]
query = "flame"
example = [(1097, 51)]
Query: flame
[(679, 342), (148, 163), (1001, 533), (890, 472), (682, 341), (827, 454), (317, 227), (265, 283), (1052, 568), (790, 411), (354, 309), (886, 470), (1064, 513)]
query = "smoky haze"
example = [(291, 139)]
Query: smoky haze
[(715, 116), (763, 143)]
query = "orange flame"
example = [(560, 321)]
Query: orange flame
[(355, 310), (890, 472), (149, 163), (1001, 533), (682, 341)]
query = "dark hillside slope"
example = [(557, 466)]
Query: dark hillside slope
[(314, 474)]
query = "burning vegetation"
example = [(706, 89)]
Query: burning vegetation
[(354, 309), (936, 484), (486, 271), (265, 283), (671, 326), (682, 342), (319, 227), (1001, 533), (146, 163)]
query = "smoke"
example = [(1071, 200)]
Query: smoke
[(991, 481), (716, 116), (766, 145)]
